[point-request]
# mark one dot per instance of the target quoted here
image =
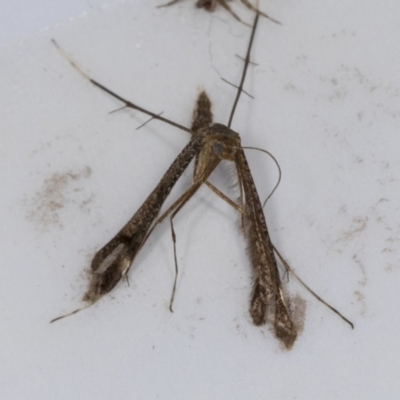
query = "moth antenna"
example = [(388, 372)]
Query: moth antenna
[(278, 166)]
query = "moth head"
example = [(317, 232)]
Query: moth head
[(224, 150)]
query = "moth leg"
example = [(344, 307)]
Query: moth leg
[(289, 269), (176, 265), (202, 118), (174, 209), (176, 206), (180, 203), (224, 197)]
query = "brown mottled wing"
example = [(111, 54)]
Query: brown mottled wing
[(112, 261), (267, 286)]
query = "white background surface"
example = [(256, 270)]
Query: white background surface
[(326, 105)]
